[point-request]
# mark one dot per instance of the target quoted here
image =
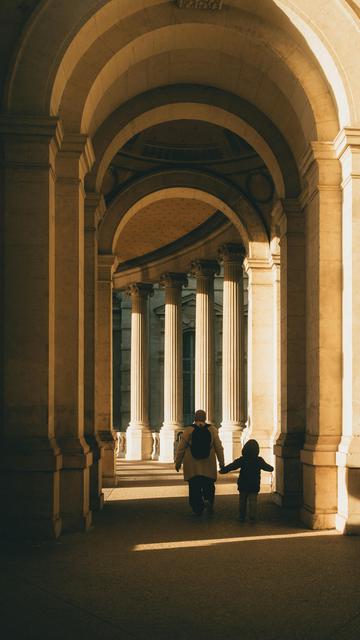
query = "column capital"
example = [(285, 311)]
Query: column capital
[(140, 289), (204, 268), (232, 252), (173, 280)]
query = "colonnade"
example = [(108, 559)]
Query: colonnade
[(262, 340)]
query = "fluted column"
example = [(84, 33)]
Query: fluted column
[(233, 374), (204, 271), (173, 378), (138, 435)]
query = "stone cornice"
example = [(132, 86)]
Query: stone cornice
[(78, 146), (204, 268), (106, 266), (347, 137), (95, 209), (32, 127), (173, 280), (231, 252)]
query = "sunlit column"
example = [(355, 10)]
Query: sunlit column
[(348, 456), (204, 272), (324, 366), (173, 374), (233, 373), (138, 435), (262, 383)]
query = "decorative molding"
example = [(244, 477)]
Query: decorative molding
[(231, 252), (140, 289), (210, 5), (173, 280), (204, 268)]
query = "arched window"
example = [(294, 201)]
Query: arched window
[(188, 376)]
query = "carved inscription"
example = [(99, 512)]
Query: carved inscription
[(200, 4)]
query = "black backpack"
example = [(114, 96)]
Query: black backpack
[(200, 442)]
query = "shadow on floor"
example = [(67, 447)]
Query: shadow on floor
[(150, 568)]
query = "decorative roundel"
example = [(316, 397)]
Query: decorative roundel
[(260, 187)]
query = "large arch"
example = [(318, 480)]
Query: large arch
[(203, 103), (185, 184)]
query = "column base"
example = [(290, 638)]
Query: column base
[(96, 494), (30, 488), (288, 470), (319, 483), (348, 461), (317, 521), (107, 443), (139, 443), (232, 440), (75, 484), (168, 443)]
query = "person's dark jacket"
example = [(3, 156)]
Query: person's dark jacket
[(250, 465)]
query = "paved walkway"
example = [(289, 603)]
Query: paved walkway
[(149, 569)]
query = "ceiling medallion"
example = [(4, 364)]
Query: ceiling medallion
[(200, 4)]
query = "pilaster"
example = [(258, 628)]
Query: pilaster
[(94, 211), (30, 460), (322, 202), (289, 220), (104, 368), (262, 334), (347, 146), (74, 160)]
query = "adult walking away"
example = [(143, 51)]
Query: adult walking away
[(198, 449)]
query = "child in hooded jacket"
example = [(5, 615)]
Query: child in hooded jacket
[(250, 465)]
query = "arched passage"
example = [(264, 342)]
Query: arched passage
[(284, 79)]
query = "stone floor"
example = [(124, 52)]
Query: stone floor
[(149, 569)]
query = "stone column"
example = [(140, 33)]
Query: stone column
[(30, 459), (290, 222), (233, 380), (173, 371), (204, 272), (323, 335), (348, 456), (94, 211), (104, 369), (138, 434), (74, 160), (261, 347)]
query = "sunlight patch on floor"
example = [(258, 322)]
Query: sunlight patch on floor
[(153, 493), (189, 544)]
